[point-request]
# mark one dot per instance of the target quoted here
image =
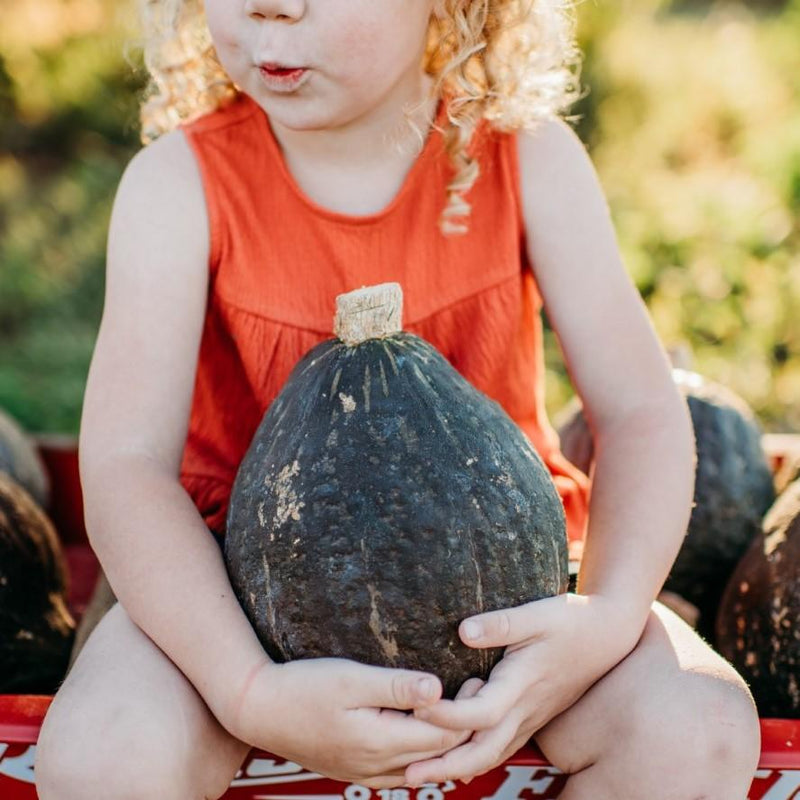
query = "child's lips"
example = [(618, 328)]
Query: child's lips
[(273, 67), (282, 78)]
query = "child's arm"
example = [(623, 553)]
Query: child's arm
[(643, 476), (159, 557)]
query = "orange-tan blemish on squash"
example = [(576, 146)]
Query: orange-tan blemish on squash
[(388, 643), (348, 403), (288, 503)]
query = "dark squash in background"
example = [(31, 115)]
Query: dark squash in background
[(733, 490), (384, 499), (758, 628), (36, 628)]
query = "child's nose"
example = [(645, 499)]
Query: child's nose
[(289, 10)]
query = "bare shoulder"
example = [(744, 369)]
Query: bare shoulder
[(556, 171), (167, 171), (160, 197), (565, 213), (552, 145), (141, 378)]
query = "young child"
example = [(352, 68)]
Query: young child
[(279, 174)]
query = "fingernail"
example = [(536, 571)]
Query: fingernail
[(472, 630), (426, 687)]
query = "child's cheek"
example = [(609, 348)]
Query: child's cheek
[(229, 45), (358, 44), (225, 29), (369, 58)]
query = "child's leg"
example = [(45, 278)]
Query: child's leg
[(672, 721), (126, 723)]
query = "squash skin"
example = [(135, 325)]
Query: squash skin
[(733, 490), (36, 627), (377, 507), (757, 625)]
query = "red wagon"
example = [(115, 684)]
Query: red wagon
[(525, 776)]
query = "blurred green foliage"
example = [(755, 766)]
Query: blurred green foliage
[(693, 123), (692, 118)]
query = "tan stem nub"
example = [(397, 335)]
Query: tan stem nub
[(369, 313)]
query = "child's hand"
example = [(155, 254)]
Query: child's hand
[(344, 719), (556, 648)]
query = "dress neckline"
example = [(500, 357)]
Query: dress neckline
[(432, 139)]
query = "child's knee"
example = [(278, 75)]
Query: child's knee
[(734, 733), (709, 725), (73, 763)]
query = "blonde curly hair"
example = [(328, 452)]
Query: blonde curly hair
[(511, 62)]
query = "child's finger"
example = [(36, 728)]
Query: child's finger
[(388, 780), (482, 710), (470, 688), (506, 626), (450, 741), (452, 738), (395, 734), (384, 687), (474, 757)]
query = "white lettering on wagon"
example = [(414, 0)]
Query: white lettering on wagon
[(533, 781), (18, 767), (785, 788), (264, 771), (355, 791), (295, 796)]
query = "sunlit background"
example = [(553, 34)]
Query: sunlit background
[(692, 118)]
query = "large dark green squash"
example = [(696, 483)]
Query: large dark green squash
[(36, 628), (733, 489), (384, 499), (757, 626)]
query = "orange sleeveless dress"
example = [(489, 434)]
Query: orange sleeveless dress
[(278, 260)]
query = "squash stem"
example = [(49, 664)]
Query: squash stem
[(371, 312)]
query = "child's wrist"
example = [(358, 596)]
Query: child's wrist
[(236, 722), (626, 620), (627, 602)]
